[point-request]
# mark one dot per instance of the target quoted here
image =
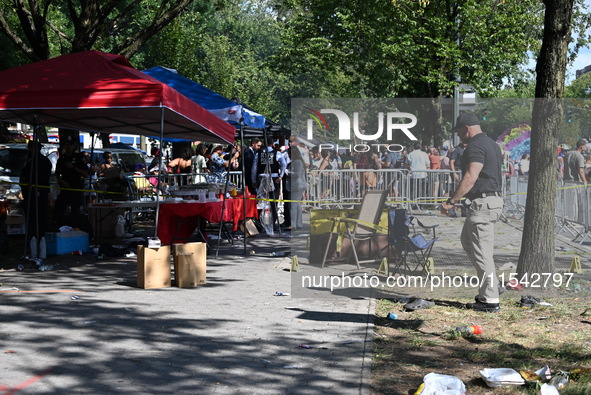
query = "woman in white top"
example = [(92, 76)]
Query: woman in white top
[(524, 164), (199, 164)]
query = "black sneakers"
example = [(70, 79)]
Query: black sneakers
[(486, 307)]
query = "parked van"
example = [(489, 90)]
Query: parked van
[(13, 157), (125, 159)]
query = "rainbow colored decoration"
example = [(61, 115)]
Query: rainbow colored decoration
[(516, 140)]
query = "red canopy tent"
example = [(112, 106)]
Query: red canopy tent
[(95, 91)]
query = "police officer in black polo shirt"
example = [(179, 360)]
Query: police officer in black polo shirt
[(481, 185), (70, 172)]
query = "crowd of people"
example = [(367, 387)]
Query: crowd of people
[(287, 171), (417, 158)]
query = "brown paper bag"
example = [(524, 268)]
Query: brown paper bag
[(190, 265), (251, 229), (153, 267)]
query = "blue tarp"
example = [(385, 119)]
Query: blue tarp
[(215, 103)]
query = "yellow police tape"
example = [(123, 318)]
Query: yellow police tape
[(423, 201)]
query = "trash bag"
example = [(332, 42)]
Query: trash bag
[(547, 389), (267, 219), (266, 185), (441, 384)]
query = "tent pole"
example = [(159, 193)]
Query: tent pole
[(244, 199), (32, 192), (217, 250), (159, 170), (274, 204)]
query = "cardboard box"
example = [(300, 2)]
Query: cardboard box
[(15, 219), (15, 229), (190, 265), (153, 267), (61, 243)]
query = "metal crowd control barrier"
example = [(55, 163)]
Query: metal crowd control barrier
[(428, 188), (574, 204), (412, 189), (421, 190), (572, 212), (143, 187), (180, 179), (347, 186), (515, 195)]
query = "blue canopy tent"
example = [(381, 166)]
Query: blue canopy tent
[(226, 109), (232, 111)]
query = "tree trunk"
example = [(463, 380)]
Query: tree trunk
[(537, 246), (438, 122)]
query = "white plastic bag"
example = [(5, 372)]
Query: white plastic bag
[(547, 389), (120, 226), (442, 384), (267, 219)]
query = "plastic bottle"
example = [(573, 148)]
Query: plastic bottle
[(33, 245), (42, 248), (470, 330), (559, 381)]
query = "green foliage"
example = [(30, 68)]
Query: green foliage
[(405, 48), (224, 48), (410, 48), (265, 52)]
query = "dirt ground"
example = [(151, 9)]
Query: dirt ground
[(424, 341)]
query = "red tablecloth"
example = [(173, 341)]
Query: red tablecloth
[(178, 221)]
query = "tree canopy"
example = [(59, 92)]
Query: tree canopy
[(265, 52), (43, 29)]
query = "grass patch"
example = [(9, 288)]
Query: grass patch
[(523, 339)]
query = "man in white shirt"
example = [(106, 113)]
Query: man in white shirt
[(418, 160)]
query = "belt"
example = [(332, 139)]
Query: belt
[(484, 194)]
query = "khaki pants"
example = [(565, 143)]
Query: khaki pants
[(477, 238)]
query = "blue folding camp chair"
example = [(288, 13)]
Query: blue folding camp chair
[(408, 247)]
